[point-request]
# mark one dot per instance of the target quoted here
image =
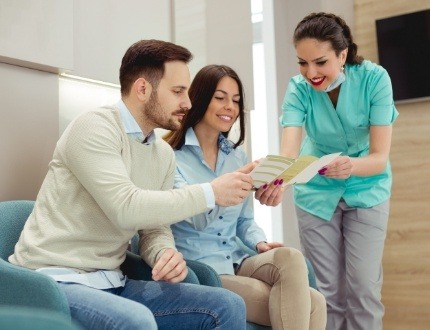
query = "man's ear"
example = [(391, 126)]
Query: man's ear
[(142, 88)]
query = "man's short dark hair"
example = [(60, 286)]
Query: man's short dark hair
[(146, 58)]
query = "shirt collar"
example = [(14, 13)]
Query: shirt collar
[(223, 143), (191, 138), (131, 126)]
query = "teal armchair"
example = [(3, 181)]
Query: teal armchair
[(28, 299)]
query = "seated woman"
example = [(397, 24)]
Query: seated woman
[(273, 283)]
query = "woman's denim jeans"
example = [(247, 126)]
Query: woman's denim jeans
[(155, 305)]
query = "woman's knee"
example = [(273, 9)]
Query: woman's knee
[(318, 310), (289, 258), (318, 302)]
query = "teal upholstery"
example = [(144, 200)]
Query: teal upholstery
[(21, 286), (36, 295), (13, 215), (24, 318)]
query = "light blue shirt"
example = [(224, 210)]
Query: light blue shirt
[(210, 237), (106, 279), (365, 99), (131, 126)]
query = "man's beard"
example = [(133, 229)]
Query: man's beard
[(155, 113)]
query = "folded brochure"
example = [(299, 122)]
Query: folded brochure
[(292, 171)]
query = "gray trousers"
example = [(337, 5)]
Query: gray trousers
[(346, 253)]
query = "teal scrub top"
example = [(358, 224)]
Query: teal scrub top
[(365, 99)]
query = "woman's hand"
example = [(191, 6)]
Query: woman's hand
[(270, 194), (340, 168), (264, 246)]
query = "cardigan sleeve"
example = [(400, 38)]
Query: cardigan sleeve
[(152, 242), (93, 153)]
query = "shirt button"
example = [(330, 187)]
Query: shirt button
[(228, 257), (224, 243), (220, 217), (219, 234)]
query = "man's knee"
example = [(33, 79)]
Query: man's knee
[(232, 301), (142, 321)]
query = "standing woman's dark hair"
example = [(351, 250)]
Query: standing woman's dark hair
[(201, 92), (331, 28)]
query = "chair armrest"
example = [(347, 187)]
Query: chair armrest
[(20, 286), (206, 274), (13, 317), (137, 269)]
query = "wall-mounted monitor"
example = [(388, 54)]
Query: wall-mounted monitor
[(404, 51)]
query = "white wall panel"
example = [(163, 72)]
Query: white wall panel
[(104, 29), (37, 34)]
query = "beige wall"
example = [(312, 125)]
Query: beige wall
[(28, 128), (406, 290)]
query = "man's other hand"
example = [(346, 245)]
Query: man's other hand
[(171, 267)]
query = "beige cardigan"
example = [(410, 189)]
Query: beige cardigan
[(101, 188)]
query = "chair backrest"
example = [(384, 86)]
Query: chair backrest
[(13, 215), (21, 286)]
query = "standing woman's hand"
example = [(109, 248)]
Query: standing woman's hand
[(340, 168)]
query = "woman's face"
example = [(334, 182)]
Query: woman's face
[(318, 62), (223, 108)]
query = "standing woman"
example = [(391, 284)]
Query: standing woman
[(345, 104), (273, 283)]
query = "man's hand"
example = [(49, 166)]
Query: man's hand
[(171, 267), (264, 246), (249, 167), (232, 188)]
